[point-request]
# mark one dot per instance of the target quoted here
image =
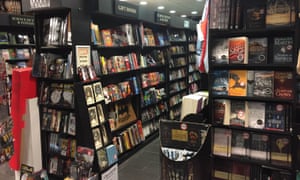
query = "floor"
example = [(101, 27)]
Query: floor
[(145, 164)]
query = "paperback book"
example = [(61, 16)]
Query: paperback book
[(240, 143), (238, 50), (221, 112), (263, 83), (281, 150), (256, 114), (220, 82), (219, 54), (276, 114), (284, 85), (258, 50), (238, 113), (237, 83), (283, 50)]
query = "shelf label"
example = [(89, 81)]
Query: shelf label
[(21, 20), (162, 18), (126, 9)]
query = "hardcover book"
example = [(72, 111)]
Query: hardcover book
[(263, 83), (280, 13), (259, 147), (255, 15), (219, 53), (237, 83), (284, 85), (222, 142), (238, 50), (221, 112), (276, 117), (281, 150), (238, 113), (258, 50), (240, 142), (283, 50), (220, 82), (256, 114)]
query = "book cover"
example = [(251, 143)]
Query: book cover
[(107, 38), (222, 142), (280, 13), (221, 111), (89, 95), (102, 158), (97, 87), (250, 83), (112, 154), (283, 50), (256, 114), (240, 170), (100, 113), (255, 15), (284, 85), (258, 50), (263, 83), (275, 117), (93, 116), (97, 138), (240, 144), (96, 62), (259, 147), (237, 83), (220, 82), (219, 52), (238, 50), (238, 113), (281, 150), (221, 169)]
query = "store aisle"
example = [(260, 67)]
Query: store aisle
[(6, 173), (145, 164)]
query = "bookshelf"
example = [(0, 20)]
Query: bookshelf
[(251, 115)]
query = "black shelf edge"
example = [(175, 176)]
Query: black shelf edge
[(270, 67), (258, 98), (16, 46)]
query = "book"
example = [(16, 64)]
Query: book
[(284, 85), (281, 150), (250, 83), (221, 142), (240, 170), (220, 82), (237, 85), (280, 13), (255, 15), (89, 95), (238, 113), (259, 147), (222, 169), (96, 62), (258, 50), (238, 50), (283, 50), (275, 117), (219, 52), (106, 37), (100, 113), (97, 88), (221, 111), (263, 83), (97, 138), (93, 116), (256, 114), (240, 143), (112, 154)]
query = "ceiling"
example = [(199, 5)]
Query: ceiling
[(180, 6)]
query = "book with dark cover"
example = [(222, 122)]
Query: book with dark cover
[(238, 113), (221, 169), (96, 62), (250, 83), (237, 83), (240, 170), (281, 150), (219, 53), (259, 146), (258, 50), (263, 83), (256, 114), (238, 50), (284, 85), (276, 117), (280, 13), (283, 50), (240, 143), (221, 111), (255, 15), (220, 82)]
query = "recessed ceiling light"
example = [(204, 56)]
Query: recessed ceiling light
[(143, 3), (122, 0), (172, 11), (199, 0), (183, 15), (194, 12), (161, 7)]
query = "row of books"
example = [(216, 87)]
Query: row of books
[(273, 149), (56, 31), (177, 62), (54, 66), (238, 14), (10, 38), (150, 127), (59, 121), (11, 6), (253, 83), (176, 99), (177, 50), (57, 94), (129, 138), (6, 145), (177, 36), (177, 86), (153, 38), (152, 96), (93, 92), (194, 77), (244, 50), (107, 156), (152, 79), (154, 58), (100, 136), (178, 74), (252, 114), (231, 170), (154, 111), (62, 146), (15, 54), (59, 166)]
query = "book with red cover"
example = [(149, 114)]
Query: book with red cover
[(238, 50), (284, 85)]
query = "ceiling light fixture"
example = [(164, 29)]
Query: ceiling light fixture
[(143, 3), (183, 15), (161, 7), (194, 12), (172, 11)]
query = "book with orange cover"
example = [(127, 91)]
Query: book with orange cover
[(238, 50), (106, 36), (237, 83)]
